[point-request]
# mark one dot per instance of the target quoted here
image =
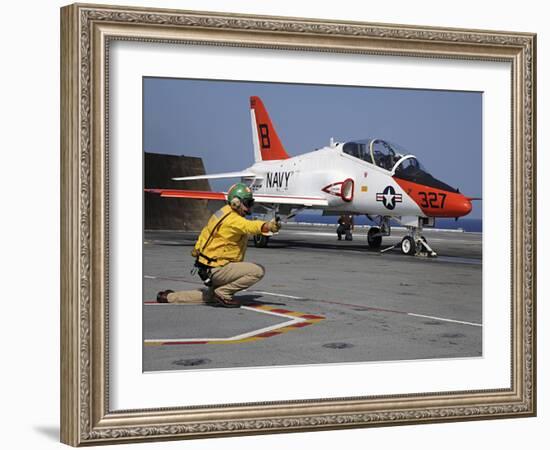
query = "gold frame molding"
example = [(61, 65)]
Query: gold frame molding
[(86, 31)]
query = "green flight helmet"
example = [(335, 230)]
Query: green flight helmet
[(240, 193)]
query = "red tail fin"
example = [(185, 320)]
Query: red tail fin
[(267, 145)]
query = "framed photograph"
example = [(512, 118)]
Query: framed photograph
[(344, 223), (381, 182)]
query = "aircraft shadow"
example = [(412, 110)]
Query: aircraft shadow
[(342, 246), (250, 300), (289, 244)]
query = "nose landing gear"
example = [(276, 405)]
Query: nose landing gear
[(415, 244), (408, 246)]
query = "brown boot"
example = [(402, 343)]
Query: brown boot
[(162, 296), (225, 302)]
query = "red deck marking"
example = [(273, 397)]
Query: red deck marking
[(311, 316), (371, 308), (308, 319), (268, 334)]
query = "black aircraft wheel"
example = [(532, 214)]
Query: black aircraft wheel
[(372, 240), (260, 241), (408, 246)]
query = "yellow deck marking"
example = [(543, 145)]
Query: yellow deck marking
[(308, 319)]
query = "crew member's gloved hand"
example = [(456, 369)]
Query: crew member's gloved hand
[(194, 253), (274, 225)]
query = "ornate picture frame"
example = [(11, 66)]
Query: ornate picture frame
[(87, 31)]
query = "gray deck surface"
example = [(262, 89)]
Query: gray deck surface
[(376, 307)]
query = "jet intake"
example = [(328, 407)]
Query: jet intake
[(342, 189), (347, 189)]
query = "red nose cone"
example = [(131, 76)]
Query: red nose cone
[(436, 202), (466, 207), (455, 205)]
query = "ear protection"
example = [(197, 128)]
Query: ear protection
[(235, 203)]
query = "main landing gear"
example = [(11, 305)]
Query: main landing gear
[(260, 241), (375, 234), (412, 244)]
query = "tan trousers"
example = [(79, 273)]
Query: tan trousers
[(226, 281)]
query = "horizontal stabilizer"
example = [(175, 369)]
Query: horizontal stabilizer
[(217, 176)]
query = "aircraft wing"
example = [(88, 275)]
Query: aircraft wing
[(218, 176), (259, 198), (198, 195)]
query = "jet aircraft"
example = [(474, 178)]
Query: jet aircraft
[(369, 176)]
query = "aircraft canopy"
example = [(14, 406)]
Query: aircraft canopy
[(394, 159), (410, 169), (375, 151)]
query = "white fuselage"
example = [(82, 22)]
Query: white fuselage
[(321, 173)]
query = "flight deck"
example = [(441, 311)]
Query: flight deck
[(321, 301)]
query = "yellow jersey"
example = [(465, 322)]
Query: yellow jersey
[(226, 243)]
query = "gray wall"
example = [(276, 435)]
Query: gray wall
[(173, 213)]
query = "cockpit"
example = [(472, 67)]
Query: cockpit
[(395, 160), (374, 151)]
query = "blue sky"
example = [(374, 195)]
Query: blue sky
[(211, 119)]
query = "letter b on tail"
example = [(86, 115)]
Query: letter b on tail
[(267, 145)]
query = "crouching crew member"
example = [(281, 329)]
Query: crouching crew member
[(220, 250), (345, 226)]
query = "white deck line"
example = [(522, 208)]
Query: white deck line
[(293, 321), (446, 320), (274, 294)]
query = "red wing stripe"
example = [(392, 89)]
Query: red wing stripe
[(175, 193)]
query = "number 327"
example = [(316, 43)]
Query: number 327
[(432, 199)]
